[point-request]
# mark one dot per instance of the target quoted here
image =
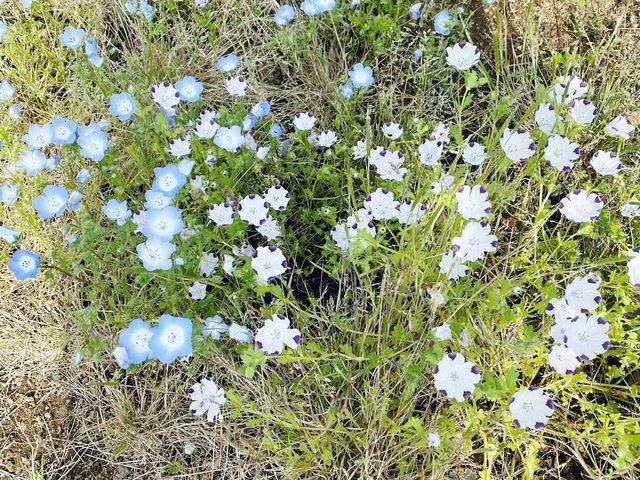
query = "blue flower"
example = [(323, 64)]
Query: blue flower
[(116, 211), (31, 161), (63, 131), (171, 338), (185, 166), (284, 15), (275, 130), (240, 333), (83, 175), (74, 201), (146, 10), (229, 138), (122, 106), (417, 55), (189, 89), (346, 89), (122, 358), (155, 254), (14, 111), (3, 30), (52, 203), (24, 264), (91, 50), (26, 3), (163, 223), (361, 76), (9, 234), (261, 109), (6, 91), (38, 136), (53, 161), (443, 22), (93, 142), (228, 63), (415, 10), (72, 37), (135, 340), (155, 199), (249, 122), (131, 6), (168, 180), (316, 7), (214, 327), (8, 193)]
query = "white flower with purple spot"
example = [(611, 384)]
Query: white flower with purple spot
[(304, 121), (444, 184), (229, 138), (530, 408), (588, 337), (198, 291), (567, 89), (430, 152), (606, 163), (462, 56), (475, 241), (547, 118), (207, 398), (453, 266), (392, 130), (273, 335), (583, 293), (410, 213), (165, 95), (278, 197), (474, 153), (473, 202), (253, 209), (560, 152), (581, 206), (222, 213), (208, 264), (327, 138), (268, 263), (269, 228), (517, 144), (179, 147), (633, 267), (583, 111), (236, 86), (381, 204), (563, 360), (620, 127), (455, 377)]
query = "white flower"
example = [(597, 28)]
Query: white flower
[(581, 206), (206, 126), (392, 130), (228, 265), (606, 163), (252, 209), (236, 86), (475, 241), (444, 184), (359, 150), (262, 152), (455, 377), (560, 152), (436, 296), (530, 408), (567, 89), (561, 311), (221, 213), (381, 204), (6, 91), (327, 138), (208, 263), (410, 213), (453, 266), (563, 360), (430, 152), (631, 209), (269, 228), (180, 147), (462, 56), (214, 327), (473, 203), (274, 334), (278, 197), (547, 118), (443, 332), (388, 164), (583, 111), (583, 293), (517, 145), (441, 133), (588, 337), (206, 397), (122, 357), (198, 183), (433, 439), (474, 153), (165, 95), (155, 254), (633, 267), (620, 127), (197, 291), (304, 121), (268, 263), (355, 231)]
